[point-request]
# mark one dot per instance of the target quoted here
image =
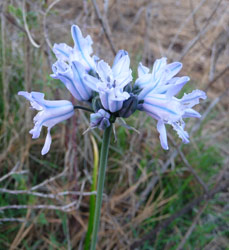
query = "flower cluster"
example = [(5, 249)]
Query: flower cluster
[(111, 93)]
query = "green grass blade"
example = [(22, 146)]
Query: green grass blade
[(92, 197)]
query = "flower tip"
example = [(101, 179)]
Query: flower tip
[(180, 64), (163, 58), (187, 78), (74, 26), (54, 46), (164, 146), (43, 153), (204, 95), (53, 76), (21, 93)]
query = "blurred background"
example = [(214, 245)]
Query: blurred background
[(153, 199)]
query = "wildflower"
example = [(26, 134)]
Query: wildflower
[(111, 81), (129, 106), (50, 113), (71, 76), (161, 79), (81, 52), (167, 109), (100, 119), (73, 63)]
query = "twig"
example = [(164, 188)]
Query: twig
[(45, 22), (11, 145), (198, 36), (151, 236), (13, 171), (12, 220), (208, 110), (81, 194), (210, 83), (50, 196), (219, 46), (155, 179), (36, 45), (66, 208), (184, 159), (104, 26), (191, 228), (183, 25), (12, 20), (49, 180), (4, 78), (68, 234), (136, 19)]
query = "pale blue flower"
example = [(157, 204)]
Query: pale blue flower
[(81, 52), (111, 81), (100, 119), (167, 109), (72, 77), (73, 63), (156, 97), (50, 113), (161, 79)]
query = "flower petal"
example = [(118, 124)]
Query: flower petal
[(118, 95), (172, 69), (62, 51), (91, 82), (47, 144), (78, 71), (142, 70), (82, 45), (100, 119), (114, 105), (167, 110), (163, 135), (175, 88), (67, 78), (59, 67), (190, 100), (122, 65), (104, 99), (36, 130), (54, 116), (38, 104), (118, 56), (158, 68), (191, 113), (144, 81), (104, 71), (124, 78), (181, 132)]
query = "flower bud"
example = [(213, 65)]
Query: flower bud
[(129, 106), (100, 119), (96, 103)]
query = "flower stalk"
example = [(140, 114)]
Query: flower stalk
[(83, 108), (100, 184)]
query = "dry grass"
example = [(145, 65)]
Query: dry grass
[(137, 195)]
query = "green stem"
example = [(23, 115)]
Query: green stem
[(83, 108), (92, 197), (101, 178)]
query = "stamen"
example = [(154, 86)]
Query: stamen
[(114, 84)]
